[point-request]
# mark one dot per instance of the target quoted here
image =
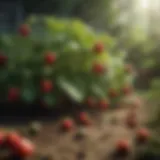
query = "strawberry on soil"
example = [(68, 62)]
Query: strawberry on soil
[(68, 124), (142, 136), (84, 118)]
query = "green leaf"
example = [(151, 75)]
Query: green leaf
[(56, 25), (155, 83), (98, 91), (47, 71), (49, 99), (82, 33), (106, 39), (4, 75), (32, 19), (75, 91), (73, 47), (7, 40), (28, 95), (149, 63)]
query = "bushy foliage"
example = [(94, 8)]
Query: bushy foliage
[(49, 57)]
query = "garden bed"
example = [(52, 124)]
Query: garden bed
[(98, 142), (56, 60)]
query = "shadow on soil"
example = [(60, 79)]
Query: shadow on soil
[(22, 113)]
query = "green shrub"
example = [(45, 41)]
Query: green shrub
[(49, 57)]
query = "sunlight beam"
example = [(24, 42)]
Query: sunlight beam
[(144, 4)]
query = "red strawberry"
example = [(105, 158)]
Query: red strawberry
[(13, 140), (24, 30), (103, 104), (68, 124), (84, 118), (98, 68), (46, 86), (98, 48), (91, 102), (50, 58), (123, 146), (113, 93), (3, 60), (25, 149), (142, 135), (13, 94)]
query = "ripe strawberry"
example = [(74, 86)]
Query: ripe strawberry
[(46, 86), (98, 48), (3, 60), (13, 94), (123, 146), (68, 124), (98, 68), (103, 104), (113, 93), (13, 140), (24, 30), (50, 58), (142, 135), (84, 118), (25, 149), (91, 102)]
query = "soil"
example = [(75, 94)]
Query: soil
[(97, 142)]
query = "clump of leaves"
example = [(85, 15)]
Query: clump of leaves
[(51, 56)]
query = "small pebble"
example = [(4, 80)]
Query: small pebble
[(80, 135), (34, 128), (81, 155)]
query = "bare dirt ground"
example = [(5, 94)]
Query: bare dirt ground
[(99, 140)]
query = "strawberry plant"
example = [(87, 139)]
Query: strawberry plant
[(50, 57)]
